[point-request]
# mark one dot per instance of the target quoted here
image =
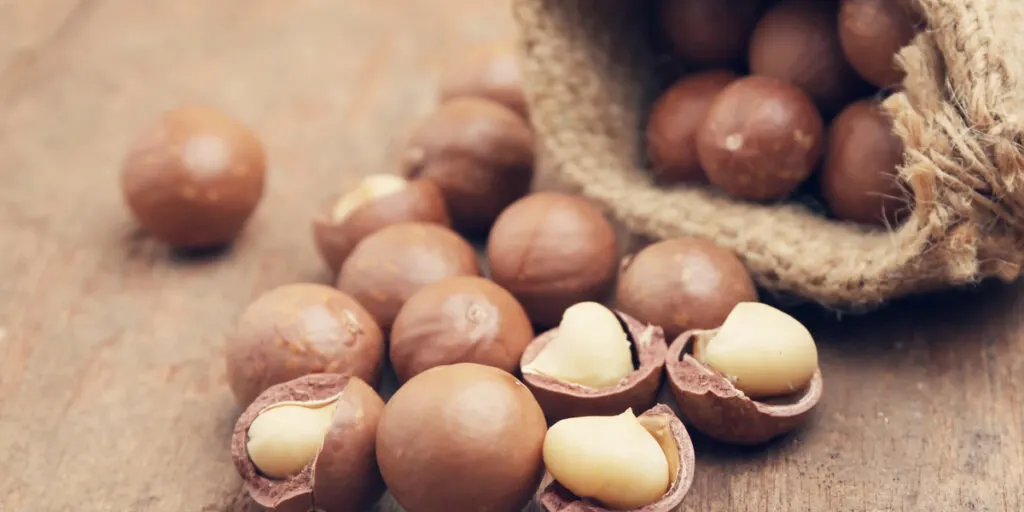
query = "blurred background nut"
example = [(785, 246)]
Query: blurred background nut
[(379, 200), (489, 72), (299, 329), (709, 33)]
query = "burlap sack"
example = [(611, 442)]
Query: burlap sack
[(590, 76)]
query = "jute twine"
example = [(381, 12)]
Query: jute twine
[(590, 75)]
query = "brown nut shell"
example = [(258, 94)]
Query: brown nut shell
[(553, 250), (556, 498), (464, 319), (761, 138), (389, 266), (709, 32), (194, 178), (798, 41), (479, 152), (672, 126), (638, 390), (343, 476), (419, 201), (490, 72), (299, 329), (872, 32), (712, 405), (683, 283)]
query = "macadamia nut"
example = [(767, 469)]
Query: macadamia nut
[(591, 348), (372, 187), (285, 438), (612, 459), (761, 350)]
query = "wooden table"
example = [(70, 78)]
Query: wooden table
[(112, 387)]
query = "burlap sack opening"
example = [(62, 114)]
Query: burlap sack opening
[(590, 76)]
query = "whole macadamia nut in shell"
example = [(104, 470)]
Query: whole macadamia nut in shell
[(194, 178), (462, 437), (682, 284), (465, 319), (761, 138), (380, 200), (325, 427), (859, 179), (672, 126), (872, 32), (390, 265), (489, 72), (479, 152), (797, 41), (552, 250), (709, 32), (298, 329)]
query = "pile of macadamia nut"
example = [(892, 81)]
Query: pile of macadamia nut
[(775, 90), (552, 362)]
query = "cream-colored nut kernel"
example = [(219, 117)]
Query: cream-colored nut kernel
[(286, 437), (591, 348), (611, 459), (762, 351), (371, 187)]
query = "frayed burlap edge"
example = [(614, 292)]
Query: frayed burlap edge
[(589, 77)]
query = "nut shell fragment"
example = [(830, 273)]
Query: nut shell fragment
[(711, 404), (638, 390), (556, 498)]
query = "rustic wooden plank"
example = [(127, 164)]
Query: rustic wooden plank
[(112, 392)]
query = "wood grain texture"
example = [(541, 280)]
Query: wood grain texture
[(112, 389)]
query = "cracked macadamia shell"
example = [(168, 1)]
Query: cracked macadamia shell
[(343, 477), (194, 178), (419, 201), (711, 404), (553, 250), (462, 437), (490, 72), (674, 440), (465, 319), (638, 390), (479, 152), (683, 283), (389, 266), (299, 329)]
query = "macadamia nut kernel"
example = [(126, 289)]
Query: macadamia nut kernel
[(612, 459), (591, 349), (761, 350), (286, 437), (372, 187)]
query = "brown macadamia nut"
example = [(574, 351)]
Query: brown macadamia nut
[(672, 126), (596, 362), (310, 443), (622, 462), (389, 266), (858, 179), (761, 139), (682, 284), (552, 250), (299, 329), (709, 32), (872, 32), (194, 178), (462, 437), (797, 41), (378, 201), (481, 155), (490, 72), (465, 319), (751, 380)]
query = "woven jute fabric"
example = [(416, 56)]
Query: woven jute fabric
[(590, 75)]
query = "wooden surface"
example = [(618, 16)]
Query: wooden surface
[(112, 390)]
